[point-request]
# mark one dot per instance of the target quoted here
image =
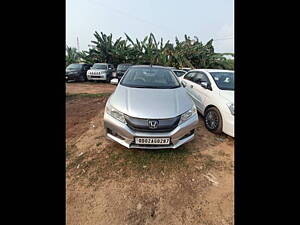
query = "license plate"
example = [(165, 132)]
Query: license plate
[(152, 141)]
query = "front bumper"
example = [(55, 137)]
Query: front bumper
[(228, 124), (121, 133), (72, 76), (96, 77)]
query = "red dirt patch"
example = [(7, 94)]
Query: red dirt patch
[(89, 87), (79, 111)]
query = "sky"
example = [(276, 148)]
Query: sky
[(166, 19)]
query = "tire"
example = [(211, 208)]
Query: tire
[(108, 78), (83, 79), (213, 120)]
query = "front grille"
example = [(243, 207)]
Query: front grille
[(164, 125)]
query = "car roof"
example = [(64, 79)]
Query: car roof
[(212, 70)]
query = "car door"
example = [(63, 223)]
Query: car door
[(200, 93), (86, 68), (188, 84)]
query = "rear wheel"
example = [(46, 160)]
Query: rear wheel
[(213, 120)]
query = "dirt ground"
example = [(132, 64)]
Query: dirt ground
[(110, 184), (89, 87)]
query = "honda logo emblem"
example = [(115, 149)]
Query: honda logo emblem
[(152, 124)]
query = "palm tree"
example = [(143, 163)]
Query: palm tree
[(71, 56), (187, 53)]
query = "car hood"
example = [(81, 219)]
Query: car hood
[(228, 95), (151, 103)]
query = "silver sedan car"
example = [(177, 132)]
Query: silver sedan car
[(150, 109)]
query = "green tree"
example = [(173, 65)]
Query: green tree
[(72, 56), (187, 53)]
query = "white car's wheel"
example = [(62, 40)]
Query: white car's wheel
[(213, 120)]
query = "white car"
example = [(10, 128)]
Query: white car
[(101, 72), (213, 93)]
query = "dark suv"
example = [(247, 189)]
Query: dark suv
[(77, 71), (121, 69)]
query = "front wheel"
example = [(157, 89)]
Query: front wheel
[(213, 120)]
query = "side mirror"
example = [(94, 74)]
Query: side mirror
[(114, 81), (205, 85)]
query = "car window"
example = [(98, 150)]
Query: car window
[(189, 76), (200, 77), (123, 66), (100, 66), (74, 66), (179, 73), (149, 77), (224, 80)]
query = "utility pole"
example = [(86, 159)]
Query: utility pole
[(78, 44)]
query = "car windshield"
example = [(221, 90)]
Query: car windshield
[(149, 77), (179, 73), (224, 80), (74, 66), (99, 66), (123, 67)]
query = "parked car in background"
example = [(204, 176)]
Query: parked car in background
[(77, 72), (213, 93), (150, 109), (121, 69), (179, 73), (101, 72)]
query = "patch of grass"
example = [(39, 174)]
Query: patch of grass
[(97, 95), (144, 161)]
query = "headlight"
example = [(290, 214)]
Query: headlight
[(115, 113), (231, 107), (188, 114)]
